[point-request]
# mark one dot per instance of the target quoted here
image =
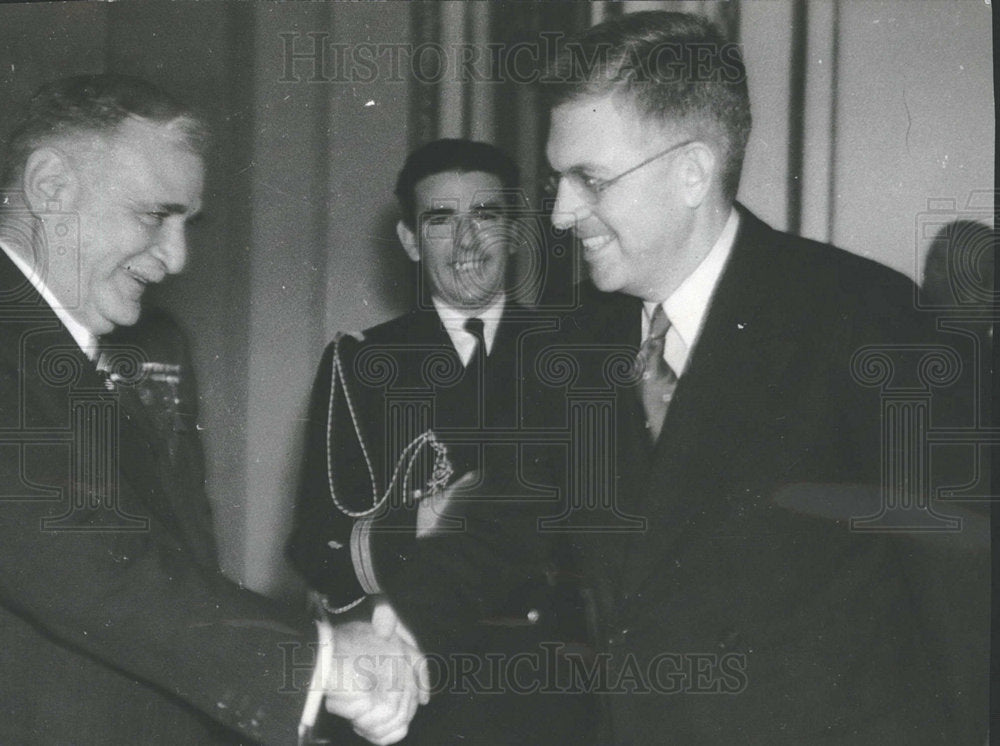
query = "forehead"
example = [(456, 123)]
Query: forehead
[(148, 162), (456, 189), (595, 131)]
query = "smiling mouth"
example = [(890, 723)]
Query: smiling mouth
[(593, 244), (468, 265), (141, 279), (138, 278)]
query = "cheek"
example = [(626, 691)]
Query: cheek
[(498, 238), (437, 255), (639, 231), (107, 243)]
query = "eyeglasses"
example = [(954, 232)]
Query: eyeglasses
[(590, 187)]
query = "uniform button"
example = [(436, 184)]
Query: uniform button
[(618, 636)]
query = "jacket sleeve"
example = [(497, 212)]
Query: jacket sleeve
[(320, 545), (455, 579), (133, 596)]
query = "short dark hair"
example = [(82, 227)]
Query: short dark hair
[(95, 104), (439, 156), (675, 67)]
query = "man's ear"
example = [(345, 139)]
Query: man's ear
[(49, 182), (409, 240), (698, 171)]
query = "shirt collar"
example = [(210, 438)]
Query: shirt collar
[(453, 320), (81, 335), (688, 304)]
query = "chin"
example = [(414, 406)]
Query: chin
[(470, 304), (473, 301), (99, 326), (124, 316), (604, 283)]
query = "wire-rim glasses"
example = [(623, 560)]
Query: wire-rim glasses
[(592, 187)]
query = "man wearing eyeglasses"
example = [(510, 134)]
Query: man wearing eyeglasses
[(736, 603), (452, 365)]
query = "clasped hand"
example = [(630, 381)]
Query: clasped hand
[(379, 676)]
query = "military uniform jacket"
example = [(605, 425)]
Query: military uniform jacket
[(402, 379)]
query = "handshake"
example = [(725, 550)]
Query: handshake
[(374, 675)]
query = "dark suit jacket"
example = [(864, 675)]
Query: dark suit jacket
[(735, 602), (116, 625), (402, 379)]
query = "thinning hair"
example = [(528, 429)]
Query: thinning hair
[(95, 105), (458, 155), (675, 68)]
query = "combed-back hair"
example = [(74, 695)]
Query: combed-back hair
[(458, 155), (95, 104), (675, 68)]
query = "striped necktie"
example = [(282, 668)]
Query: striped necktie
[(658, 381)]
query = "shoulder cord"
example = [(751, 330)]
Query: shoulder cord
[(440, 474)]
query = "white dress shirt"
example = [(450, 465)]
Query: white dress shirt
[(454, 320), (83, 336), (688, 304)]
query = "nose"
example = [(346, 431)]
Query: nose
[(171, 249), (467, 230), (569, 208)]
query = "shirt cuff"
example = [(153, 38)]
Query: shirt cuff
[(320, 681)]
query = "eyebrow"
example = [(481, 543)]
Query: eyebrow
[(453, 211), (589, 166), (439, 211), (174, 208), (178, 208), (585, 169)]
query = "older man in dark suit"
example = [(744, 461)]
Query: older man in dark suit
[(752, 584), (116, 624)]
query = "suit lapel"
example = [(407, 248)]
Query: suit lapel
[(51, 362), (745, 344), (428, 330)]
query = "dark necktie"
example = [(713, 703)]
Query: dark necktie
[(474, 326), (657, 381)]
